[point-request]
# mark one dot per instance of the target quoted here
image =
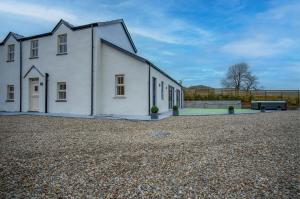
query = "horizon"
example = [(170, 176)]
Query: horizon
[(194, 43)]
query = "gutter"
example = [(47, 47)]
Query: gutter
[(46, 92), (92, 71), (140, 59), (21, 76)]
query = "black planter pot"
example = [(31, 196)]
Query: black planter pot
[(230, 111), (175, 113), (154, 116)]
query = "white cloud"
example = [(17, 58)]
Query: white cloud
[(270, 33), (257, 47), (288, 11), (36, 11), (178, 32), (167, 52), (161, 28), (155, 35)]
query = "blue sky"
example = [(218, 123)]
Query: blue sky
[(193, 40)]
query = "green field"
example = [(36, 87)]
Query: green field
[(207, 111)]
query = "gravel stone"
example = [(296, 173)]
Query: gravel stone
[(160, 134), (225, 156)]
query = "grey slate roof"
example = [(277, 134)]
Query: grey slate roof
[(15, 35), (72, 27), (142, 59)]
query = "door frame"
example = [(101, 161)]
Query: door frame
[(30, 108), (170, 97), (154, 91), (178, 98)]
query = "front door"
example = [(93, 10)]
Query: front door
[(34, 94), (171, 97), (154, 91), (177, 98)]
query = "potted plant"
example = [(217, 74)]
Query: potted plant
[(154, 112), (175, 111), (230, 110)]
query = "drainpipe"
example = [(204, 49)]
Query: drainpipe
[(46, 92), (149, 97), (92, 71), (20, 76)]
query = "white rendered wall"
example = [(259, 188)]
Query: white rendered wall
[(9, 75), (162, 104), (115, 34), (135, 102), (73, 68)]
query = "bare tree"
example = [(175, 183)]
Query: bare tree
[(239, 77), (251, 82)]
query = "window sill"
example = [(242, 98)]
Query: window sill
[(119, 97), (58, 54), (61, 100), (33, 57), (10, 60), (10, 101)]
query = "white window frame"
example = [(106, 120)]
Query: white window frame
[(64, 43), (119, 85), (10, 91), (11, 52), (59, 90), (34, 49)]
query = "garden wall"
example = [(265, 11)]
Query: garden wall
[(212, 104)]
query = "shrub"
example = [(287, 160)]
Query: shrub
[(154, 109), (231, 110)]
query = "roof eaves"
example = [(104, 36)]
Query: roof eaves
[(36, 36), (129, 36), (57, 25), (85, 26), (124, 51), (31, 68), (62, 22), (15, 35), (164, 73), (110, 22), (140, 59), (125, 29)]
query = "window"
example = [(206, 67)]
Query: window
[(61, 91), (10, 92), (62, 44), (34, 48), (11, 52), (120, 85), (162, 90)]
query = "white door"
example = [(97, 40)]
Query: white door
[(34, 94)]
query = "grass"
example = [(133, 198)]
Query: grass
[(208, 111)]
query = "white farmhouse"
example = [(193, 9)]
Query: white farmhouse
[(91, 69)]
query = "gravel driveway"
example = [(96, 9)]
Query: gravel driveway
[(239, 156)]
